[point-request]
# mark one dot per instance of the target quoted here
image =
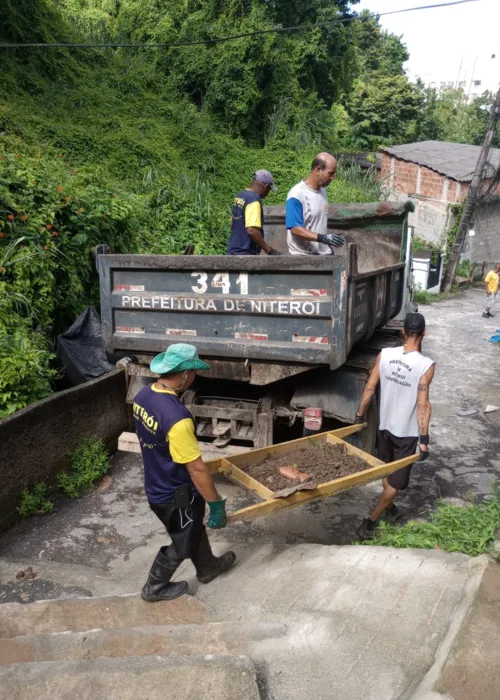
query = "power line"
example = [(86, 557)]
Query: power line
[(258, 32)]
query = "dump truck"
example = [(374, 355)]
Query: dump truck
[(290, 340)]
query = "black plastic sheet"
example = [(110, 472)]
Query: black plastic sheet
[(79, 350)]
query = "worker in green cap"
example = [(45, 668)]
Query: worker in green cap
[(177, 482)]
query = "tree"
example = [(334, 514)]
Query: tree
[(382, 111), (383, 103), (379, 52), (242, 81), (449, 116)]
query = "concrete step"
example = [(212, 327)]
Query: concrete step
[(133, 678), (81, 614), (177, 640)]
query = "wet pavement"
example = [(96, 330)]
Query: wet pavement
[(112, 531)]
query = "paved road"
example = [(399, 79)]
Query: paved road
[(114, 525), (370, 622)]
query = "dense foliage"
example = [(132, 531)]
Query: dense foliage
[(144, 149)]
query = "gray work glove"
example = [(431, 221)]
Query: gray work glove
[(333, 239), (271, 251)]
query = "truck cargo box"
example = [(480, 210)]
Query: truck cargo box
[(290, 309)]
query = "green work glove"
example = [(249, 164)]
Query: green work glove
[(218, 516)]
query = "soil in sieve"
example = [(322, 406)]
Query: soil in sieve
[(323, 461)]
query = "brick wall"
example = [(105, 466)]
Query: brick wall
[(403, 177), (432, 193)]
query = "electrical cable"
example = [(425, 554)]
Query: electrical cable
[(258, 32)]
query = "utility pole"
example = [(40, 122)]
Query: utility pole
[(475, 190)]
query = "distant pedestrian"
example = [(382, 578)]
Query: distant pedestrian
[(177, 482), (405, 376), (307, 211), (491, 288), (247, 223)]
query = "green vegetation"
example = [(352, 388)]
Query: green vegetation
[(89, 462), (421, 244), (35, 501), (422, 296), (463, 268), (470, 530), (144, 149)]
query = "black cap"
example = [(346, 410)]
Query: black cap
[(414, 323)]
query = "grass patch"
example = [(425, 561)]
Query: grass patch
[(89, 462), (422, 296), (35, 500), (470, 530)]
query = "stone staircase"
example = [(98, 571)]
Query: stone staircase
[(121, 647)]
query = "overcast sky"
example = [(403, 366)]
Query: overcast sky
[(442, 40)]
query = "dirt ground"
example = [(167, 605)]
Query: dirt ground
[(322, 461)]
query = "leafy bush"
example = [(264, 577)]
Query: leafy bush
[(35, 501), (116, 148), (88, 463), (58, 215), (463, 268), (470, 530), (25, 373)]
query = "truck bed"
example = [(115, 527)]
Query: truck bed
[(288, 309)]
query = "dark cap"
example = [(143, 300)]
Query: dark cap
[(265, 177), (414, 323)]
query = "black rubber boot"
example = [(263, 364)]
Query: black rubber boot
[(158, 586), (207, 565), (366, 531), (393, 514)]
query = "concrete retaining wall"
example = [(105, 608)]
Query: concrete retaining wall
[(485, 243), (34, 442)]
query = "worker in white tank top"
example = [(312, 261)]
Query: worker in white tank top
[(405, 376)]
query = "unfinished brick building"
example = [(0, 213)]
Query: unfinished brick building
[(437, 174)]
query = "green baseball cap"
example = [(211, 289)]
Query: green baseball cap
[(177, 358)]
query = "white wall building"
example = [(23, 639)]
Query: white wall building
[(474, 75)]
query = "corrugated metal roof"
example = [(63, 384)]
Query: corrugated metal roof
[(455, 160)]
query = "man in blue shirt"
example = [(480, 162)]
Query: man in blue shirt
[(247, 223), (176, 480)]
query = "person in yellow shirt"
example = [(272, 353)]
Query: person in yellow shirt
[(247, 221), (491, 288), (177, 482)]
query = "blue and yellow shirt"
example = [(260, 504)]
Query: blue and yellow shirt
[(168, 442), (247, 212)]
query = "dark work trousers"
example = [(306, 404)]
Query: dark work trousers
[(184, 525)]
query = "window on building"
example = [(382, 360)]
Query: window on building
[(462, 83), (442, 85), (476, 83), (449, 84)]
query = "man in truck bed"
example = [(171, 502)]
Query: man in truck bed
[(307, 211), (405, 376), (247, 223)]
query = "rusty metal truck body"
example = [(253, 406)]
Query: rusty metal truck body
[(281, 333)]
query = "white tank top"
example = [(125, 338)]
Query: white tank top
[(400, 374)]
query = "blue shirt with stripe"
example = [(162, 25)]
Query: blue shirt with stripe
[(240, 242), (155, 413)]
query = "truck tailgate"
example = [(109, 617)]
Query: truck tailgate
[(285, 309)]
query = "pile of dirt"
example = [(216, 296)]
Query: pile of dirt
[(322, 460)]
